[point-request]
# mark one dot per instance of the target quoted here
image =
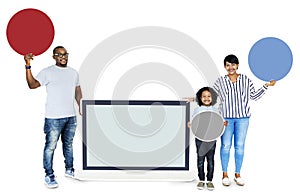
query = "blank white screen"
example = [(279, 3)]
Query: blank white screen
[(136, 136)]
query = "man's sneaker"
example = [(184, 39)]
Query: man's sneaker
[(200, 185), (210, 186), (50, 181), (70, 173)]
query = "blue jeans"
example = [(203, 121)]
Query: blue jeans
[(53, 129), (237, 128), (205, 150)]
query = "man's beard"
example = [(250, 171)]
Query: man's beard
[(62, 65)]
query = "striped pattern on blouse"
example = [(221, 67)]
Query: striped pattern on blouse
[(235, 96)]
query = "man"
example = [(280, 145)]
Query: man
[(62, 83)]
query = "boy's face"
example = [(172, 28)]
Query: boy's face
[(231, 67), (206, 98)]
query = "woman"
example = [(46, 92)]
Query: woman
[(235, 90)]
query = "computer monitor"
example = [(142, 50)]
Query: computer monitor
[(132, 139)]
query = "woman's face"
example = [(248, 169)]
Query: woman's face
[(231, 67)]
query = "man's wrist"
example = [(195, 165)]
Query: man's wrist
[(27, 66)]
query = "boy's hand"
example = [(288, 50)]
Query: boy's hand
[(225, 123), (189, 124)]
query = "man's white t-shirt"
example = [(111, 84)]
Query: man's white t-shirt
[(60, 85)]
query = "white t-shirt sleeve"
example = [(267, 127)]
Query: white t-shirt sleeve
[(77, 80), (42, 77)]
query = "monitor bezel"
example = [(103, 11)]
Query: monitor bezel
[(85, 103)]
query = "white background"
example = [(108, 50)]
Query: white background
[(221, 27)]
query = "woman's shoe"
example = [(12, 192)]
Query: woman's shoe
[(226, 181), (239, 181)]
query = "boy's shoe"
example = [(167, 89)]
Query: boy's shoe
[(50, 181), (210, 186), (200, 185), (70, 173), (226, 181), (239, 181)]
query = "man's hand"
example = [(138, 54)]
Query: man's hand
[(27, 58)]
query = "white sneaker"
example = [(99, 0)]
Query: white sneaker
[(50, 181), (226, 181), (239, 181), (70, 173)]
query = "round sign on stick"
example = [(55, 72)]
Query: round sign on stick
[(30, 31), (207, 125)]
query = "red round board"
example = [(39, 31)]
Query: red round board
[(30, 31)]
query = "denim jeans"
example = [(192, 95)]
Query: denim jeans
[(237, 128), (205, 150), (53, 129)]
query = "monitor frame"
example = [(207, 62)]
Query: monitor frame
[(86, 103)]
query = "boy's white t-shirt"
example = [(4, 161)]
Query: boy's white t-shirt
[(60, 85)]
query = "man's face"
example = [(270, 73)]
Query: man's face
[(61, 57)]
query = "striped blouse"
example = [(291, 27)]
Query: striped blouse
[(235, 96)]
